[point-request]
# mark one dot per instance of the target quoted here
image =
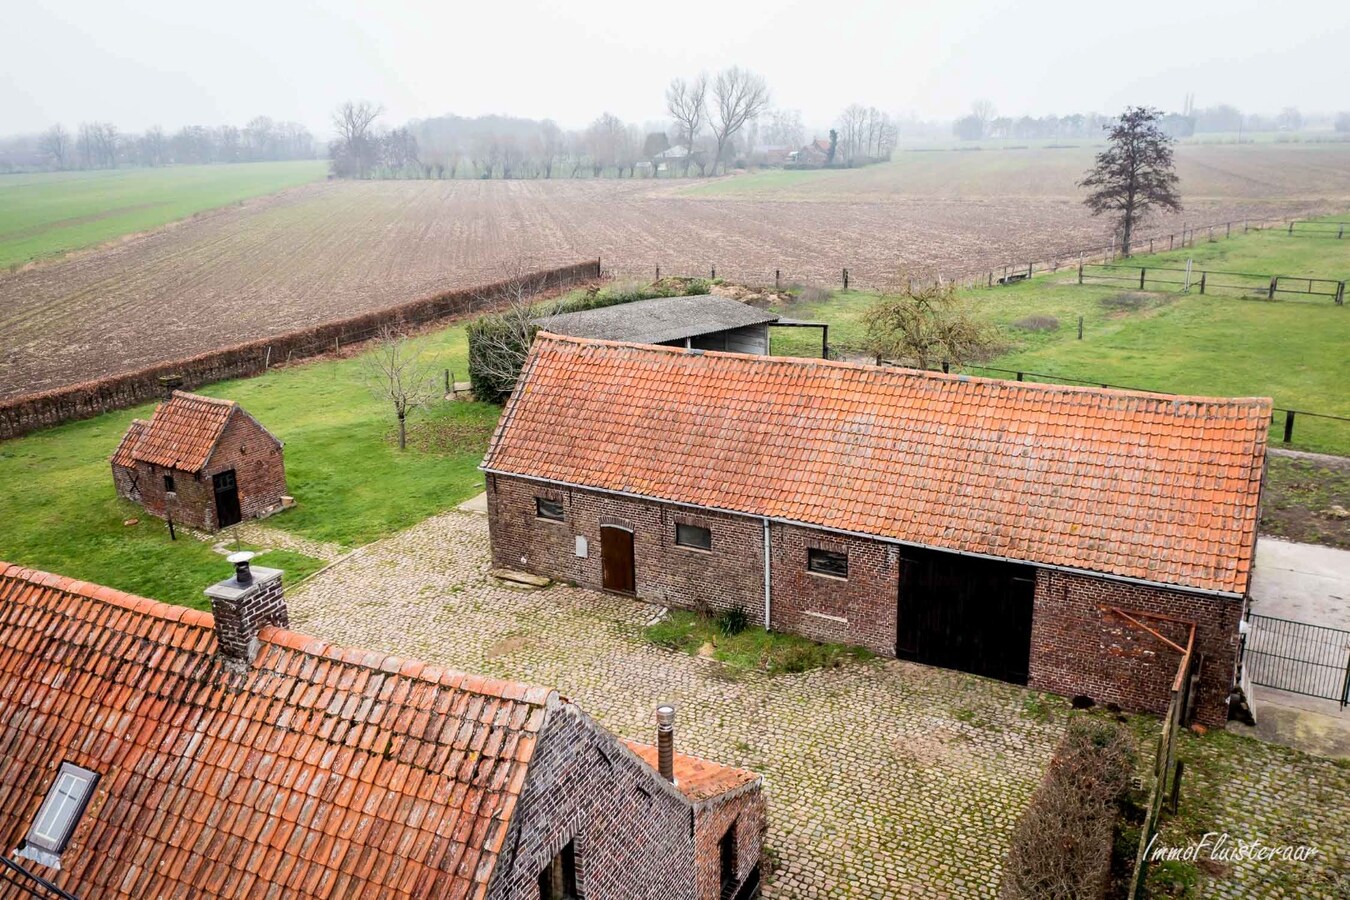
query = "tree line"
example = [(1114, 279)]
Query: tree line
[(102, 145)]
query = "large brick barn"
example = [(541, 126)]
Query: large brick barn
[(158, 751), (1061, 537), (202, 462)]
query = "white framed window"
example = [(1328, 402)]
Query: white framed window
[(61, 810)]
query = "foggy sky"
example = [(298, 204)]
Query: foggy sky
[(176, 63)]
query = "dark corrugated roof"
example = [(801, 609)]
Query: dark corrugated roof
[(658, 320)]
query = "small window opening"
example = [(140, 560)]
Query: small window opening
[(168, 484), (59, 813), (693, 536), (558, 880), (827, 562), (727, 859), (548, 509)]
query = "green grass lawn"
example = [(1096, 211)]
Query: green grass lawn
[(59, 511), (1292, 351), (55, 212)]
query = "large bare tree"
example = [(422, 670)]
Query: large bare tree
[(398, 374), (356, 150), (738, 96), (55, 145), (1134, 175), (687, 103)]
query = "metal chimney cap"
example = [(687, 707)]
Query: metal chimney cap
[(241, 556), (665, 714)]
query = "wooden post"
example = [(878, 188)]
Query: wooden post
[(1244, 226), (1175, 797), (658, 273), (1080, 270), (1150, 245), (1340, 234), (825, 341), (946, 367), (1202, 283), (846, 279), (991, 278), (1142, 270), (1019, 376), (1170, 238), (1291, 228), (713, 274), (1273, 280), (1228, 229), (447, 381), (777, 279), (1080, 328), (1288, 426), (1211, 234)]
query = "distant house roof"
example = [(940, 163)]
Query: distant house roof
[(1147, 487), (658, 320), (182, 433), (679, 151), (327, 772)]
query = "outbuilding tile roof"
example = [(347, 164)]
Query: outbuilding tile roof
[(125, 455), (182, 433), (1150, 487), (659, 319), (698, 779), (319, 771)]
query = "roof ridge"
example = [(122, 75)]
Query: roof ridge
[(189, 395), (903, 371)]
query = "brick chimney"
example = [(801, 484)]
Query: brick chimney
[(170, 383), (665, 741), (242, 606)]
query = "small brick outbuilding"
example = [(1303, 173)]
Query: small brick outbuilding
[(1061, 537), (203, 462)]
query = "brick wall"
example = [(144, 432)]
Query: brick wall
[(193, 505), (1078, 647), (258, 463), (633, 833), (743, 811), (21, 415)]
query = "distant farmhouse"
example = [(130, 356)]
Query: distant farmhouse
[(202, 462), (1060, 537), (158, 751)]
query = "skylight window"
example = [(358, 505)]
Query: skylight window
[(59, 814)]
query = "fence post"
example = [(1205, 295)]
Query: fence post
[(1202, 282), (777, 279), (658, 273), (1080, 328), (1273, 279), (1291, 227), (1080, 270), (1211, 234), (946, 367), (846, 279), (991, 278), (1340, 234), (1150, 245), (1170, 238), (1142, 270), (1029, 266), (1228, 230), (1288, 426), (713, 273), (447, 381), (1340, 294), (1175, 797), (1244, 226), (1019, 376)]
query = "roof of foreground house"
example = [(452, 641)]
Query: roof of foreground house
[(1148, 487), (182, 434), (698, 779), (320, 770), (659, 319)]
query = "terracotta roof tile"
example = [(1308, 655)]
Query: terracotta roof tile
[(698, 779), (1144, 486), (212, 778)]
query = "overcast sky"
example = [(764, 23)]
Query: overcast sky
[(184, 62)]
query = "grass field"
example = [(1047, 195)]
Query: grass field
[(1292, 351), (59, 512), (51, 213)]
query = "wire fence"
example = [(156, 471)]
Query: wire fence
[(1185, 280)]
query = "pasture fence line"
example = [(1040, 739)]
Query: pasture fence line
[(1184, 280), (30, 412)]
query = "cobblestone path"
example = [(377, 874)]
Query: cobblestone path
[(884, 779)]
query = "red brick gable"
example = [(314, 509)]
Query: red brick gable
[(1156, 488), (319, 771)]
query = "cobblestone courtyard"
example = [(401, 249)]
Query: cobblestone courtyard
[(885, 779)]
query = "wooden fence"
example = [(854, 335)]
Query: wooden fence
[(1243, 284), (24, 414)]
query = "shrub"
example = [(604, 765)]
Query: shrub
[(1061, 848), (1037, 323), (731, 622)]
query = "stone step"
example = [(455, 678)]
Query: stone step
[(524, 579)]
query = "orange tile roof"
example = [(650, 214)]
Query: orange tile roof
[(698, 779), (125, 454), (183, 432), (320, 771), (1156, 488)]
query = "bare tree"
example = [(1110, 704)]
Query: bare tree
[(925, 324), (500, 341), (738, 96), (355, 151), (687, 104), (984, 112), (852, 130), (55, 145), (605, 142), (397, 373), (1134, 175)]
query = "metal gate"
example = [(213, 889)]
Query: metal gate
[(1313, 660)]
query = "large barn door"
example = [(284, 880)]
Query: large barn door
[(227, 498), (966, 613), (616, 559)]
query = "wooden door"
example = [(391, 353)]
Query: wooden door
[(227, 498), (616, 559)]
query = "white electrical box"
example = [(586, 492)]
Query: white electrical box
[(582, 548)]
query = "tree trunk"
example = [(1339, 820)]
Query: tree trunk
[(403, 432)]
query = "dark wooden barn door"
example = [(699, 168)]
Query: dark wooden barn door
[(227, 498), (966, 613), (616, 559)]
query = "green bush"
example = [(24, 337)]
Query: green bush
[(731, 622)]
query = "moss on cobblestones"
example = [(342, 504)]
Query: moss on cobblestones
[(752, 649)]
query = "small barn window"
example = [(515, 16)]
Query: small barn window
[(827, 562), (168, 484), (693, 536), (60, 812), (548, 509), (558, 880)]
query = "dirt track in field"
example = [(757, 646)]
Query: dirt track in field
[(334, 249)]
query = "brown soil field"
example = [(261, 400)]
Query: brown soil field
[(339, 248)]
